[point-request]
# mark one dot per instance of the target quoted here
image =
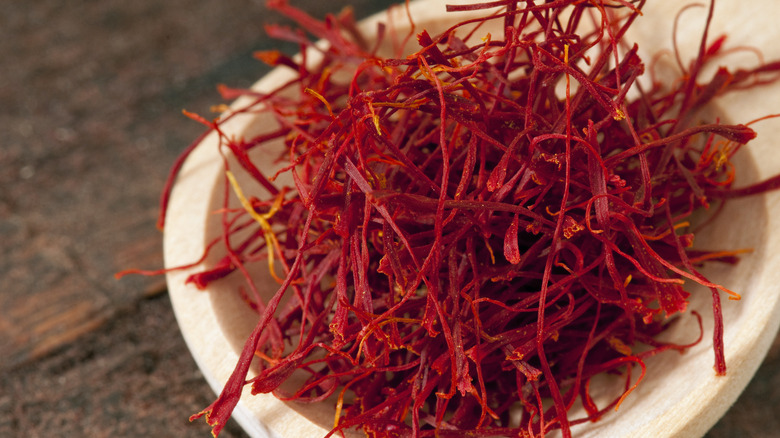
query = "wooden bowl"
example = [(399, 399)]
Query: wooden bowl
[(680, 397)]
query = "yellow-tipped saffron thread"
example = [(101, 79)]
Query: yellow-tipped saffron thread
[(270, 238), (719, 254), (375, 120), (321, 99), (375, 327), (633, 387), (667, 232)]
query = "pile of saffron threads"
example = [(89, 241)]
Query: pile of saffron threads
[(477, 229)]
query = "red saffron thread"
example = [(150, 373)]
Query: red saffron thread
[(463, 242)]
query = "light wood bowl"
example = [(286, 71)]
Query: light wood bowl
[(681, 396)]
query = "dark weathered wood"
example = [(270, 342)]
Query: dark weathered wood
[(132, 378), (91, 121), (91, 100), (91, 95)]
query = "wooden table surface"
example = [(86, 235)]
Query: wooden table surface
[(91, 95)]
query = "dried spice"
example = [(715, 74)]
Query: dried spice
[(477, 229)]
